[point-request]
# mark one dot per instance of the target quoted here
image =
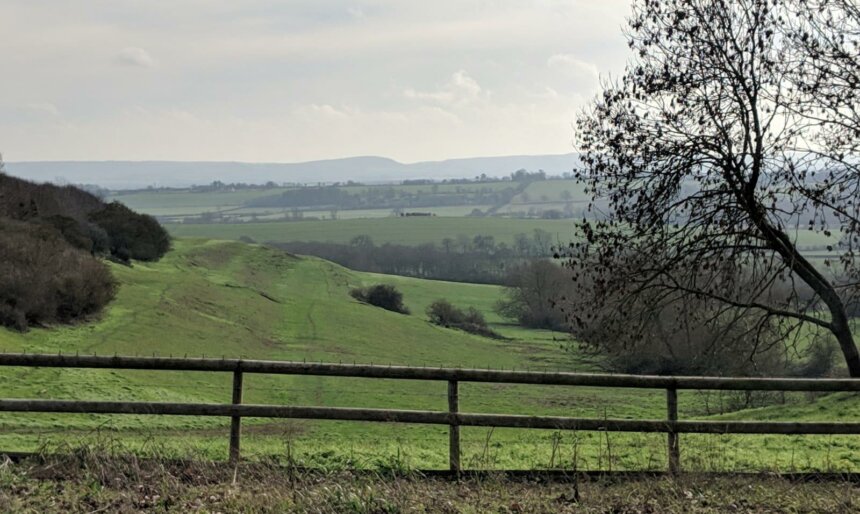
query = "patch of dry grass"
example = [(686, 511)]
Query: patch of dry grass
[(91, 481)]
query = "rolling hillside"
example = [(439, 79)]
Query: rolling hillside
[(218, 298)]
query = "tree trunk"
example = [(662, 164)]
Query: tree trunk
[(838, 325), (842, 330)]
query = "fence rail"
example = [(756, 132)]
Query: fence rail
[(236, 410)]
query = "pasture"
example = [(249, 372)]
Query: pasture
[(176, 205), (406, 231), (217, 298), (179, 204)]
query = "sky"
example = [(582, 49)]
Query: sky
[(298, 80)]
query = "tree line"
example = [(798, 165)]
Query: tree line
[(478, 259), (379, 197)]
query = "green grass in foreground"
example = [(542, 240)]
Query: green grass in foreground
[(219, 298)]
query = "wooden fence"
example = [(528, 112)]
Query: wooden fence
[(236, 410)]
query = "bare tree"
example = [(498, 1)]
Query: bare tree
[(826, 37), (695, 151)]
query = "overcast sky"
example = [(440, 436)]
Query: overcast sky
[(294, 80)]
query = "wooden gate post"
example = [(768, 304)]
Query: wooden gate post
[(454, 428), (674, 447), (236, 421)]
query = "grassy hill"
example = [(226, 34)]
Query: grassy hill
[(218, 298)]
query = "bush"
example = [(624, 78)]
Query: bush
[(43, 280), (443, 313), (534, 291), (132, 235), (381, 295), (83, 219), (663, 330)]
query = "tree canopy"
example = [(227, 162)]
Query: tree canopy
[(710, 153)]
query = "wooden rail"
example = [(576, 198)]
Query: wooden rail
[(236, 410)]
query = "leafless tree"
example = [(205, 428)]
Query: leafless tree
[(699, 152), (825, 35)]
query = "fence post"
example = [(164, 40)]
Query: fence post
[(673, 443), (236, 421), (453, 429)]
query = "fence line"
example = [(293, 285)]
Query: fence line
[(236, 410)]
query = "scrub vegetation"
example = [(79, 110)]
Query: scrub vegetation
[(52, 244)]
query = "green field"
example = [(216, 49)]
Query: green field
[(229, 299), (181, 203), (188, 202), (180, 209), (411, 231), (434, 188), (407, 231), (178, 205), (552, 191)]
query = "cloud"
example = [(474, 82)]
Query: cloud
[(132, 56), (575, 72), (265, 80), (42, 108), (460, 89)]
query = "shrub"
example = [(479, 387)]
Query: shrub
[(381, 295), (71, 230), (661, 330), (132, 235), (534, 291), (83, 219), (44, 280), (443, 313)]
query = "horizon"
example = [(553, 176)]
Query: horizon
[(132, 175), (343, 158)]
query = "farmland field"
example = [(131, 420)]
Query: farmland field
[(181, 203), (188, 201), (553, 190), (407, 231), (219, 298), (243, 204)]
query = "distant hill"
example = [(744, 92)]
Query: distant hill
[(138, 174)]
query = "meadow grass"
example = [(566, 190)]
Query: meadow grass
[(406, 231), (218, 298), (190, 202)]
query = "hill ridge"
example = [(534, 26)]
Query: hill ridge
[(126, 174)]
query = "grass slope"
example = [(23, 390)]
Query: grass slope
[(219, 298)]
